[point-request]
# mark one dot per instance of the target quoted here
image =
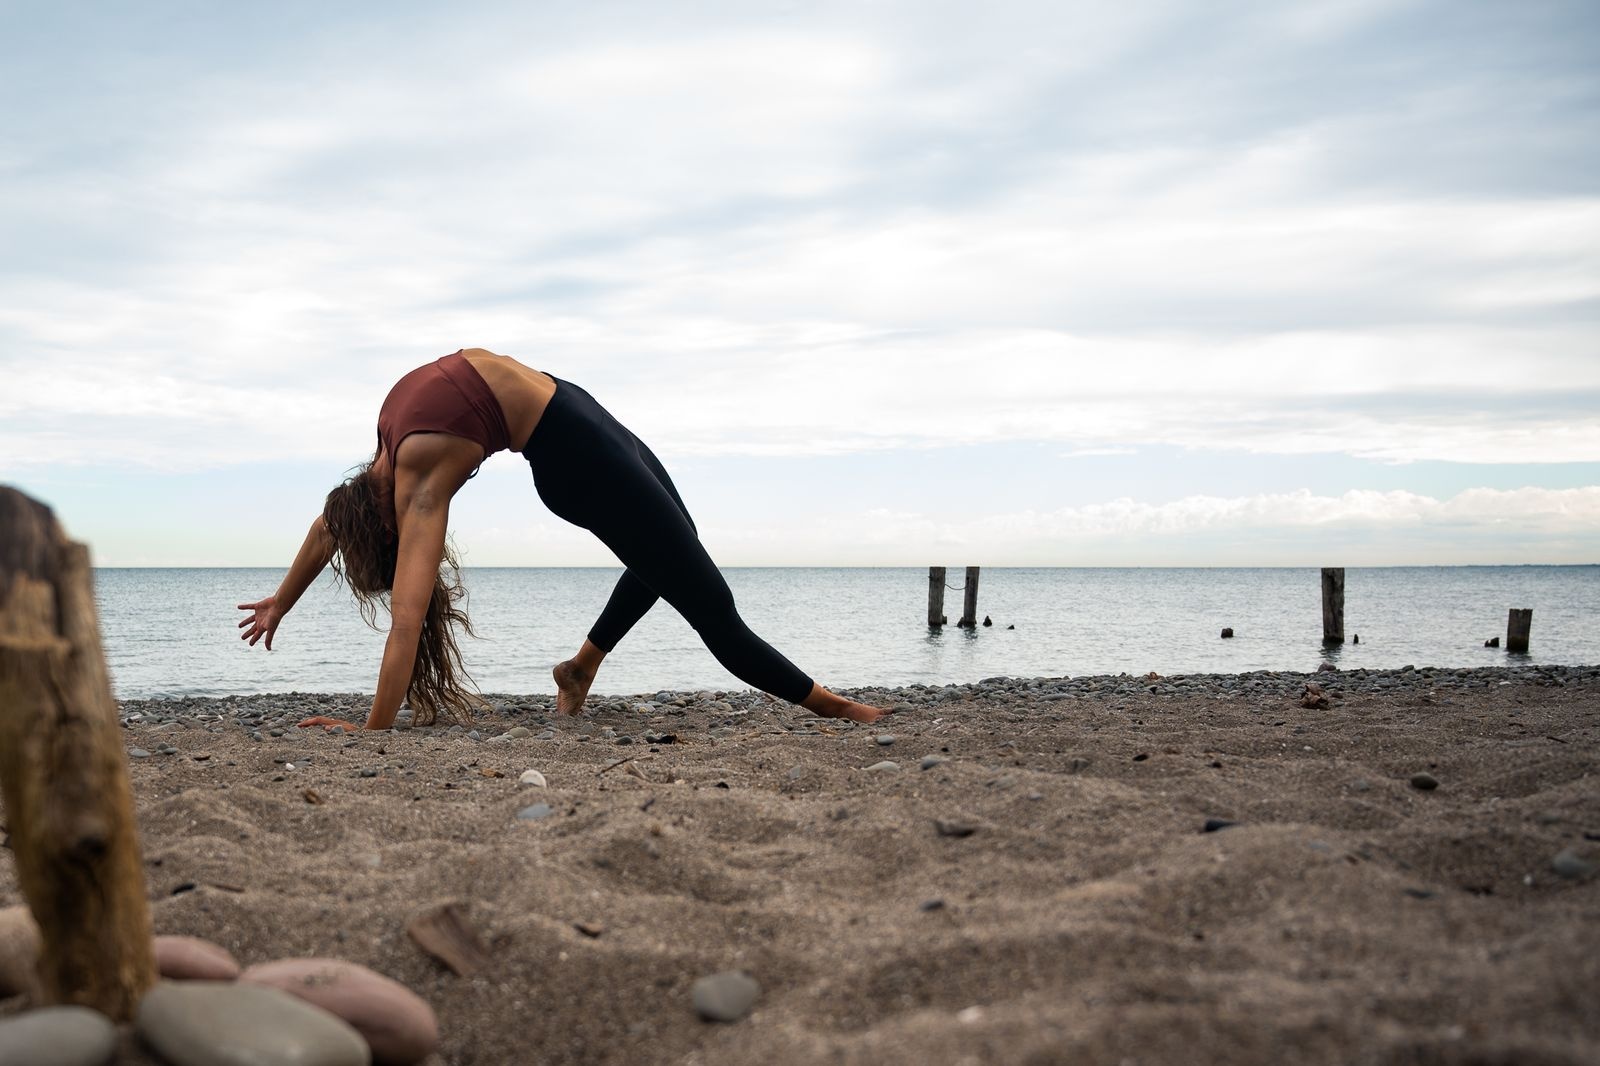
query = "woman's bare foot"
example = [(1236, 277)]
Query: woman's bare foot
[(572, 686), (856, 712), (828, 705)]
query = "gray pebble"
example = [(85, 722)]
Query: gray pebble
[(930, 761), (534, 813), (519, 732), (1570, 864), (885, 739), (57, 1036), (884, 765), (138, 753), (725, 997), (1424, 782), (954, 828)]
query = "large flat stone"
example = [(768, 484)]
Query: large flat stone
[(210, 1023), (57, 1036)]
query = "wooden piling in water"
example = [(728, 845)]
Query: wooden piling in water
[(1518, 625), (64, 774), (936, 616), (1333, 605), (969, 600)]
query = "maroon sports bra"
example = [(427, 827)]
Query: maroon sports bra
[(446, 396)]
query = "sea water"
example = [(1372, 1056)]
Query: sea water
[(173, 632)]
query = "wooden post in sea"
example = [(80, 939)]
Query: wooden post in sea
[(936, 616), (969, 600), (1518, 624), (1333, 605), (63, 771)]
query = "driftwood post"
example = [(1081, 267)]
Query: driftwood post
[(1518, 625), (1333, 605), (969, 600), (63, 772), (936, 596)]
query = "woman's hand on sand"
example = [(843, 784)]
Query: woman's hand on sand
[(328, 723), (263, 620)]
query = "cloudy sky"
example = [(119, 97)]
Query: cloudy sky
[(1049, 283)]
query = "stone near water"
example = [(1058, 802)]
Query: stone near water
[(19, 952), (1313, 697), (1424, 782), (208, 1023), (189, 958), (725, 997), (57, 1036), (397, 1024), (1492, 642), (532, 777), (537, 812), (884, 765), (1327, 668), (1227, 634)]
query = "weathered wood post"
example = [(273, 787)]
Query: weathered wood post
[(1518, 625), (63, 772), (936, 596), (969, 600), (1333, 605)]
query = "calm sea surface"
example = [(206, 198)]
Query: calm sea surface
[(171, 632)]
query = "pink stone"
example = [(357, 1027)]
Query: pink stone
[(397, 1024), (188, 958), (19, 953)]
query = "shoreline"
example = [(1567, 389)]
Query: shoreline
[(1007, 871), (1335, 681)]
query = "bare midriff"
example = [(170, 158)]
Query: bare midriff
[(523, 392)]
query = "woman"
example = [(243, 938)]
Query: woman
[(384, 531)]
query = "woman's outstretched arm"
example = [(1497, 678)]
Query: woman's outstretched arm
[(265, 614), (422, 535)]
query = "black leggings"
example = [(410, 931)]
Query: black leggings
[(591, 471)]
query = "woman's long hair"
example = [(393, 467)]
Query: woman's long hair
[(359, 515)]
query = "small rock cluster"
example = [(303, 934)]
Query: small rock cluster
[(206, 1010)]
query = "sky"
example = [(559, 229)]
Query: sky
[(1020, 283)]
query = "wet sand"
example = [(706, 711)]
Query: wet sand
[(1043, 892)]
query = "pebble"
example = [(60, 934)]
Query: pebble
[(952, 828), (138, 753), (1424, 782), (189, 958), (885, 739), (1570, 864), (930, 761), (519, 732), (884, 765), (536, 812), (57, 1036), (208, 1023), (397, 1024), (725, 997), (1215, 824), (532, 777)]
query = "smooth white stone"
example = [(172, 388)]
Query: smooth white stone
[(208, 1023), (58, 1036)]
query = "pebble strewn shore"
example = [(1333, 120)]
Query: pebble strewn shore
[(1339, 866), (274, 715)]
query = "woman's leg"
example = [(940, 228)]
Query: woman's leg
[(610, 483)]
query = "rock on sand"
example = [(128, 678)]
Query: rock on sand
[(396, 1023), (206, 1023)]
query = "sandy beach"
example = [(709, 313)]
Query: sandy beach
[(1032, 881)]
